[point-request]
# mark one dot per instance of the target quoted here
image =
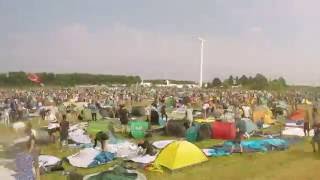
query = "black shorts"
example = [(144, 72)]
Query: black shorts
[(51, 131), (306, 126)]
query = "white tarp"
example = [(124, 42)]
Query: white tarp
[(124, 150), (295, 131), (78, 135), (146, 159), (83, 158), (47, 160), (161, 144)]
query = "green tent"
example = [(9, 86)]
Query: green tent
[(138, 129), (192, 134)]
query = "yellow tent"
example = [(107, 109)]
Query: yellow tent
[(306, 101), (180, 154), (263, 113)]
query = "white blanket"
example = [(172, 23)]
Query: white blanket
[(295, 131), (124, 150), (161, 144), (146, 159), (79, 136), (84, 158), (46, 160)]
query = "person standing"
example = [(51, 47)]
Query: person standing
[(64, 130), (124, 118), (316, 138), (237, 141), (306, 123), (53, 125), (94, 110)]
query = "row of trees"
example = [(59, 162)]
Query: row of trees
[(20, 79), (162, 81), (259, 82)]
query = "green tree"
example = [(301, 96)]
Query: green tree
[(243, 80), (216, 82)]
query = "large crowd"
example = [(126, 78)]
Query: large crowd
[(56, 106)]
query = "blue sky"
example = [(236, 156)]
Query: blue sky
[(158, 39)]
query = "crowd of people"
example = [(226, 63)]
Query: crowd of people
[(56, 107)]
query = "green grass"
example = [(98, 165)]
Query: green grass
[(296, 163)]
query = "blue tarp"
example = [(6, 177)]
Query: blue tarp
[(218, 152), (263, 145), (102, 158)]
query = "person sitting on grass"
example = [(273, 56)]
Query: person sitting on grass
[(316, 138), (147, 147), (102, 137)]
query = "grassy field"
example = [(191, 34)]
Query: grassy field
[(299, 162)]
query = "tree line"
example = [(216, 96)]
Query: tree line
[(163, 81), (20, 79), (258, 82)]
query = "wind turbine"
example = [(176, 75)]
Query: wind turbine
[(201, 61)]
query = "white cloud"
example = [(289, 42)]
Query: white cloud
[(120, 49)]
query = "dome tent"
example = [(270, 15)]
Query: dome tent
[(180, 154)]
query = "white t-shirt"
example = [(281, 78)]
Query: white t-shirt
[(246, 111)]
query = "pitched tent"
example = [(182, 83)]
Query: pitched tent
[(250, 126), (180, 154), (297, 115), (138, 128), (263, 113), (176, 128), (223, 130)]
